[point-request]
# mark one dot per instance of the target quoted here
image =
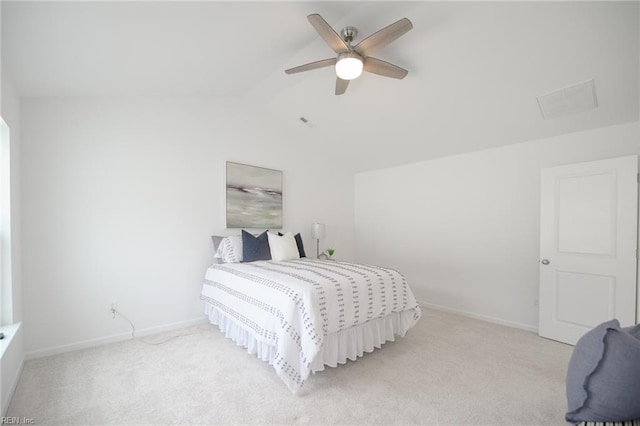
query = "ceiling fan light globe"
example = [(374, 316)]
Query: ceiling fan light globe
[(349, 67)]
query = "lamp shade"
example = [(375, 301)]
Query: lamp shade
[(317, 230), (349, 66)]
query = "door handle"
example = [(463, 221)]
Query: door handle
[(545, 261)]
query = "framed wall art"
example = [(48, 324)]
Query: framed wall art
[(254, 197)]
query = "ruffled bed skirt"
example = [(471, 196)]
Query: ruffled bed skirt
[(337, 347)]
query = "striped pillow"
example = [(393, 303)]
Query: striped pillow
[(230, 249)]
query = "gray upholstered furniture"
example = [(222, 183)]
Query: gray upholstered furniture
[(603, 378)]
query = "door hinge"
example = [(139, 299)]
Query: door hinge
[(638, 177)]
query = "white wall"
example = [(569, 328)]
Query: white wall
[(120, 198), (464, 229)]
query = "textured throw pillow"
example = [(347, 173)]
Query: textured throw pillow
[(255, 248), (229, 249), (283, 247), (603, 377), (298, 238)]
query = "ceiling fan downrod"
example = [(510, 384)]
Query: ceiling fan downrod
[(348, 34)]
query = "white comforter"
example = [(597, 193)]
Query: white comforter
[(293, 305)]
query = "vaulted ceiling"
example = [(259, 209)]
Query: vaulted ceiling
[(475, 68)]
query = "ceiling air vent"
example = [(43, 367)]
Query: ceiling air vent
[(306, 122), (569, 100)]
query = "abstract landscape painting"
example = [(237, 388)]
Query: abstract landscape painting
[(254, 197)]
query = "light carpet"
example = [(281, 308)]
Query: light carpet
[(449, 369)]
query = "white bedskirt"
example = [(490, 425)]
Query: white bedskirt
[(337, 347)]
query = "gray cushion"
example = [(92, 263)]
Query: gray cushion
[(216, 241), (603, 377)]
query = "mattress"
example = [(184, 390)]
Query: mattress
[(300, 315)]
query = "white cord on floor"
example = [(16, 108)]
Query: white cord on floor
[(115, 312)]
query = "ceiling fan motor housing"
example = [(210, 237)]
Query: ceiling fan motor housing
[(349, 33)]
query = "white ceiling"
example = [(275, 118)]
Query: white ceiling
[(475, 68)]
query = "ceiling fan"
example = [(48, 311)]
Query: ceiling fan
[(352, 60)]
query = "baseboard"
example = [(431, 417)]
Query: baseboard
[(54, 350), (487, 318), (12, 391)]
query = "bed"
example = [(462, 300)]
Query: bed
[(300, 315)]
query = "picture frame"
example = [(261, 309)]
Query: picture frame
[(253, 197)]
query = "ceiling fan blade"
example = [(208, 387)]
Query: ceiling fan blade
[(380, 67), (328, 34), (341, 85), (385, 36), (312, 66)]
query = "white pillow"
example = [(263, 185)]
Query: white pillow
[(283, 247), (230, 249)]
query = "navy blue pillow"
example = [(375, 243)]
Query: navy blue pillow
[(298, 238), (255, 248)]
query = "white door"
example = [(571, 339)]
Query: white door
[(588, 241)]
